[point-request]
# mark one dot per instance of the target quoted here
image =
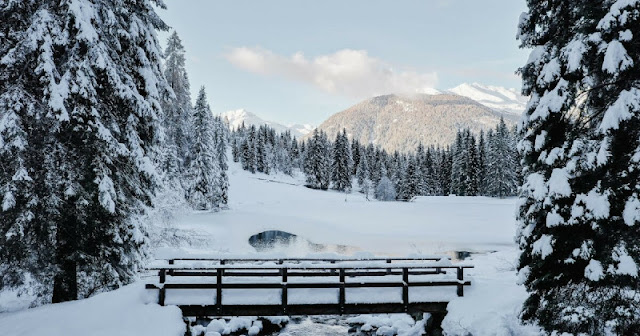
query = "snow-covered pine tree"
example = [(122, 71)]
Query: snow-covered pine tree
[(318, 161), (284, 154), (204, 170), (396, 169), (341, 163), (221, 134), (261, 152), (501, 163), (421, 162), (482, 168), (459, 164), (385, 190), (581, 137), (248, 150), (362, 174), (444, 176), (472, 183), (294, 150), (177, 106), (71, 99), (302, 155), (356, 149), (410, 183)]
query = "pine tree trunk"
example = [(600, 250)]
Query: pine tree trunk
[(65, 282)]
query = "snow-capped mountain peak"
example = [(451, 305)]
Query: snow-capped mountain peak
[(495, 97), (237, 117)]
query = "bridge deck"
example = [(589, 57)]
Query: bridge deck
[(309, 287)]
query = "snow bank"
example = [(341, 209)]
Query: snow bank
[(122, 312), (491, 306), (390, 324)]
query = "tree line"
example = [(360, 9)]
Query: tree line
[(484, 164), (193, 158)]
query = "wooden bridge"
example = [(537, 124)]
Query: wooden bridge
[(205, 287)]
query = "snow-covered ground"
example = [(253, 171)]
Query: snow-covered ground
[(122, 312), (429, 225), (345, 224)]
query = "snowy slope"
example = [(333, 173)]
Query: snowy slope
[(122, 312), (495, 97), (237, 117)]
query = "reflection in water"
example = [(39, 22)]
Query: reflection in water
[(279, 240)]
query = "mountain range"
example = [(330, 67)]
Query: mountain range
[(401, 122), (237, 117), (396, 122)]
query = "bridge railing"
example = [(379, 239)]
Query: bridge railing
[(225, 261), (327, 274)]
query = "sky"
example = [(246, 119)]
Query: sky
[(300, 61)]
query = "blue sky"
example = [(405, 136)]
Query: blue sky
[(300, 61)]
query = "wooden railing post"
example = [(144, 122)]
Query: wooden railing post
[(162, 273), (161, 296), (284, 291), (219, 290), (341, 298), (460, 282), (405, 288)]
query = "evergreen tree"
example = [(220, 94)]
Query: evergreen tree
[(409, 184), (423, 165), (459, 162), (472, 183), (385, 190), (204, 171), (318, 161), (177, 106), (79, 127), (482, 161), (248, 151), (445, 172), (356, 149), (362, 174), (579, 214), (341, 165), (295, 153), (501, 163), (221, 135)]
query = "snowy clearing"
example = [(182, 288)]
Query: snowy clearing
[(429, 225)]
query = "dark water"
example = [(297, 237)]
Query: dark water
[(275, 239), (268, 240)]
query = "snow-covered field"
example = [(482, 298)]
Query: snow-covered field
[(345, 224), (429, 225)]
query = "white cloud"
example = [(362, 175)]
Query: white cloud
[(347, 72)]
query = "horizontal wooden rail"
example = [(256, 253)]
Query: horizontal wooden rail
[(223, 261), (231, 273), (303, 285), (307, 267)]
